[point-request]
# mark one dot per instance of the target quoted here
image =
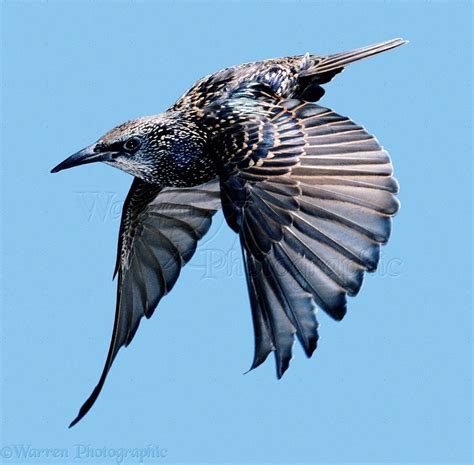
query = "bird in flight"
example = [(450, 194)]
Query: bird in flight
[(309, 192)]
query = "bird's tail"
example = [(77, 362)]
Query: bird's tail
[(332, 64)]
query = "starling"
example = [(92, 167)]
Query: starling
[(309, 192)]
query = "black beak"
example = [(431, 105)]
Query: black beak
[(84, 156)]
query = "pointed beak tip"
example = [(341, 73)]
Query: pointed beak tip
[(63, 165), (84, 156)]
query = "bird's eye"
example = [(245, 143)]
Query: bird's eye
[(132, 144)]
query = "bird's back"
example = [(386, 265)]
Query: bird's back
[(280, 74)]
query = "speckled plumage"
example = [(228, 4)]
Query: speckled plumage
[(309, 192)]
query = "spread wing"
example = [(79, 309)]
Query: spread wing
[(311, 194), (158, 235)]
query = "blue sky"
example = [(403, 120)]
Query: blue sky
[(392, 383)]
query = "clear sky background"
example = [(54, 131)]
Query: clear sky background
[(392, 383)]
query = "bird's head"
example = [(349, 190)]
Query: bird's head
[(159, 149)]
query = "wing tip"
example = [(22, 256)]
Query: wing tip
[(82, 413), (87, 405), (282, 364), (311, 346), (402, 40), (332, 63), (397, 41), (258, 359), (75, 421), (388, 44), (336, 312)]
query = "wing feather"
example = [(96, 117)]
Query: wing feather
[(311, 194), (158, 235)]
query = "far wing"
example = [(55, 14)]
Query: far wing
[(158, 235), (299, 76), (323, 69)]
